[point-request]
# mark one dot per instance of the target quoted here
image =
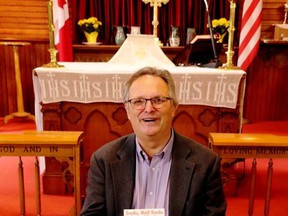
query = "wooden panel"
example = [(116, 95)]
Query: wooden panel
[(24, 19), (272, 13), (30, 57), (267, 89)]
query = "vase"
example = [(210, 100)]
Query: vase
[(120, 35), (220, 37), (174, 39), (91, 37), (191, 33), (135, 30)]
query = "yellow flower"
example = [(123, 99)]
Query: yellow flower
[(220, 26), (90, 25), (223, 22), (215, 23)]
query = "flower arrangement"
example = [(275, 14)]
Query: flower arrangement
[(90, 25), (219, 28)]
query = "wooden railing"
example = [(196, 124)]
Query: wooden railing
[(241, 146), (62, 144)]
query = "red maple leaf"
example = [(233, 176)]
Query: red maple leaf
[(61, 3)]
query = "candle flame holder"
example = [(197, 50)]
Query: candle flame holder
[(52, 50), (229, 53)]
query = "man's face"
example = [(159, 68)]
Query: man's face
[(150, 122)]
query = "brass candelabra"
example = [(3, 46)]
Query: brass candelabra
[(229, 53), (52, 50)]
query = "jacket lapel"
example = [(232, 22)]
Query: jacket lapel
[(180, 176), (123, 171)]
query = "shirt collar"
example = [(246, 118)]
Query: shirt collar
[(166, 152)]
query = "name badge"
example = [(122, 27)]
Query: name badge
[(144, 212)]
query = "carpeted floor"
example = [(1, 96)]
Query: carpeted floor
[(15, 125), (51, 205), (272, 127), (61, 205), (238, 205)]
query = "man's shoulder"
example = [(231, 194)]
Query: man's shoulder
[(193, 146)]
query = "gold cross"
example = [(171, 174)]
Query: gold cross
[(155, 4)]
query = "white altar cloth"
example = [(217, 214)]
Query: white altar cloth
[(101, 82), (141, 50)]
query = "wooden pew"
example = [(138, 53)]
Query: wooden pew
[(242, 146), (61, 144)]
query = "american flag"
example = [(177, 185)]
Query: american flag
[(250, 33), (62, 32)]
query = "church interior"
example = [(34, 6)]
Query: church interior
[(61, 93)]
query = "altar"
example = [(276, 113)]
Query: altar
[(88, 97)]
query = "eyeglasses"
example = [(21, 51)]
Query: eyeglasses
[(140, 103)]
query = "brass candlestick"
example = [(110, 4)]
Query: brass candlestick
[(52, 50), (155, 4), (229, 53)]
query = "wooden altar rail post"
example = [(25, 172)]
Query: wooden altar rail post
[(231, 146), (43, 143)]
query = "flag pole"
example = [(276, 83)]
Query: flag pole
[(229, 53), (52, 49), (286, 11)]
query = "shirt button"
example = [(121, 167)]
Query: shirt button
[(151, 193), (153, 169)]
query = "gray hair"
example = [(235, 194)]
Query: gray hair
[(165, 75)]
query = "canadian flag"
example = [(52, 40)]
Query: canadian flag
[(62, 31), (250, 32)]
